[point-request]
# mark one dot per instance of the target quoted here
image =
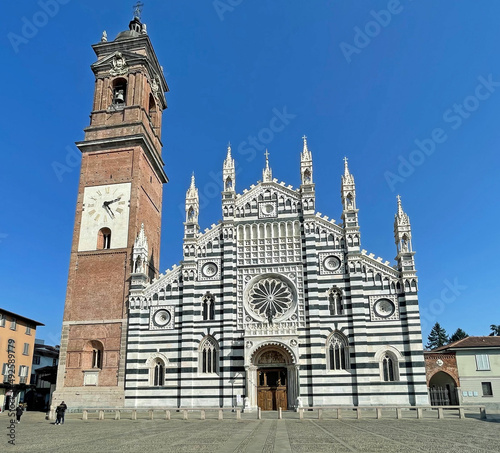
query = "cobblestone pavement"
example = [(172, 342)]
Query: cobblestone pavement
[(35, 434)]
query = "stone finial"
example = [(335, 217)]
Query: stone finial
[(104, 37), (267, 174)]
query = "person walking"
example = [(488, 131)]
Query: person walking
[(60, 410), (19, 412)]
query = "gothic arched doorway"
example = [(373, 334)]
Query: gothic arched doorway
[(276, 378)]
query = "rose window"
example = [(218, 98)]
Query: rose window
[(270, 298)]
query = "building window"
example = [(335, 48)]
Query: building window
[(23, 374), (487, 390), (26, 349), (338, 352), (482, 362), (208, 306), (104, 239), (13, 324), (389, 365), (28, 330), (2, 320), (158, 373), (209, 356), (36, 360), (335, 301)]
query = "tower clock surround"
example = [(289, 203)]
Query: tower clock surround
[(105, 206)]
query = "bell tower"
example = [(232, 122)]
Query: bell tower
[(119, 199)]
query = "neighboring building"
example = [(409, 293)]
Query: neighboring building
[(17, 339), (478, 368), (276, 306), (43, 376)]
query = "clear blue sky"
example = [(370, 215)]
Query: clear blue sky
[(355, 88)]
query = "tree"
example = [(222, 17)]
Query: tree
[(495, 330), (458, 335), (437, 337)]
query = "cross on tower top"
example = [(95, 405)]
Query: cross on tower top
[(138, 10), (304, 137), (266, 154)]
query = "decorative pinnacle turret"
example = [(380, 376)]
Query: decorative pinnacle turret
[(347, 177), (229, 162), (267, 174), (306, 154), (192, 191), (401, 218)]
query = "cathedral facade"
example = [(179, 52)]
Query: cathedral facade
[(275, 306)]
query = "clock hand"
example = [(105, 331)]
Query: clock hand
[(113, 201), (105, 205)]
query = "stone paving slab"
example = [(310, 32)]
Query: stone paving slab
[(35, 434)]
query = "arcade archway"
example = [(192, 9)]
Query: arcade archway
[(443, 390)]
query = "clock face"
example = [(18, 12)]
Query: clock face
[(108, 207), (384, 308), (106, 203)]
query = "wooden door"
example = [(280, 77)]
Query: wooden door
[(281, 399), (265, 399)]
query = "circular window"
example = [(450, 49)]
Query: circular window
[(384, 308), (331, 263), (162, 317), (209, 269), (269, 208), (270, 298)]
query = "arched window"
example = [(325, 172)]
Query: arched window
[(159, 373), (208, 306), (97, 352), (209, 356), (104, 239), (229, 184), (389, 367), (119, 92), (335, 301), (153, 111), (338, 352)]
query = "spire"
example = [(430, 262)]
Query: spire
[(192, 202), (267, 174), (229, 161), (140, 253), (306, 165), (401, 218), (192, 191), (306, 154), (402, 232), (347, 178), (228, 171)]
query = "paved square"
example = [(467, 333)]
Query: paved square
[(35, 434)]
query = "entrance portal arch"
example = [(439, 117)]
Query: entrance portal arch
[(272, 377), (443, 390)]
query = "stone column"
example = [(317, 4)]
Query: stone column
[(251, 386)]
